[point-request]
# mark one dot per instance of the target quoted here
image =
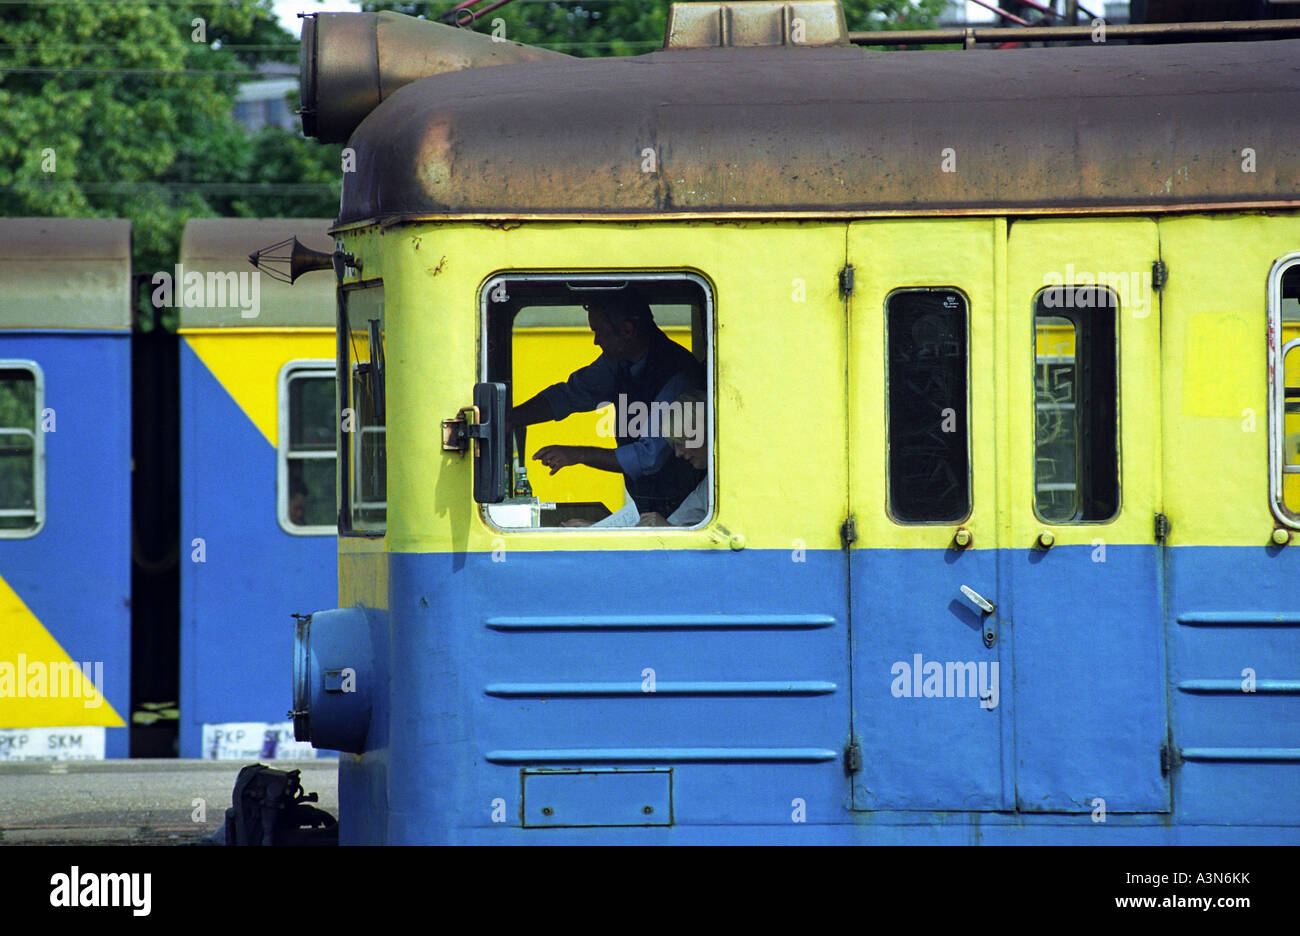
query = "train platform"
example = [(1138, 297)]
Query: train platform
[(132, 802)]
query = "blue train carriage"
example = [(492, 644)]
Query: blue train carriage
[(257, 480), (1001, 443), (65, 488)]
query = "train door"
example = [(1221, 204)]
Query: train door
[(930, 681), (1080, 589)]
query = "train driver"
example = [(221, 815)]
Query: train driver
[(638, 366)]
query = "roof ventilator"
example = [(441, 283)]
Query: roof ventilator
[(728, 24)]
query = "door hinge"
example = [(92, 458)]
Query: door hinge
[(852, 757), (849, 532), (1162, 528), (1159, 275), (846, 280), (1168, 759)]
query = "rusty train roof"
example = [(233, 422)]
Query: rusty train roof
[(839, 130)]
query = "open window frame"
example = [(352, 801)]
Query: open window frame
[(586, 284), (351, 374)]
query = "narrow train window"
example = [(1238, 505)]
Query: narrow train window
[(307, 464), (1284, 389), (22, 450), (929, 442), (609, 389), (1076, 399), (363, 461)]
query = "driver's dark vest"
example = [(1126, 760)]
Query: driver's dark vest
[(663, 491)]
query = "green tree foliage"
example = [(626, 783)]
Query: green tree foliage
[(127, 110), (630, 27)]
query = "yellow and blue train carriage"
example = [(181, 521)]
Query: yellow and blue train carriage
[(1000, 429), (257, 480), (65, 488)]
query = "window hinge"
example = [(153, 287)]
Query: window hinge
[(849, 532), (846, 280), (852, 757), (1159, 275), (1162, 528)]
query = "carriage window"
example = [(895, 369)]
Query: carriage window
[(1056, 485), (929, 447), (363, 462), (1284, 410), (1076, 394), (307, 459), (22, 450), (608, 387)]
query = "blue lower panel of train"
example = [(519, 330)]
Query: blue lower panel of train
[(65, 569), (241, 578), (683, 696)]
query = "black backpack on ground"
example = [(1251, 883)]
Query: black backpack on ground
[(269, 807)]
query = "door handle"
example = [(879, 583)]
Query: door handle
[(983, 603), (990, 623)]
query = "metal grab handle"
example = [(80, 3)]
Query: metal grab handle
[(989, 630), (983, 603)]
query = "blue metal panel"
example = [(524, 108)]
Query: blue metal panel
[(597, 798), (482, 689), (751, 755), (363, 780), (1235, 618), (919, 752), (1089, 679), (236, 631), (75, 575)]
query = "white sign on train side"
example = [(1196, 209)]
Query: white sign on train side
[(51, 744), (253, 741)]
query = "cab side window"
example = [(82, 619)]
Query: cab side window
[(608, 381), (363, 454)]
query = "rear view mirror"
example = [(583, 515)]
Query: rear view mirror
[(490, 452)]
